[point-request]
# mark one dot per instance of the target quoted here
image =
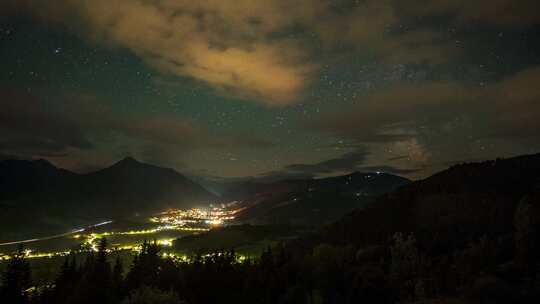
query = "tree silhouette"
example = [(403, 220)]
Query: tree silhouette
[(16, 280)]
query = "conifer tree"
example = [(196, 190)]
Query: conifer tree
[(16, 280)]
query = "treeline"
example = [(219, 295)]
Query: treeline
[(489, 270), (470, 234)]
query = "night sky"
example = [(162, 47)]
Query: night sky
[(273, 88)]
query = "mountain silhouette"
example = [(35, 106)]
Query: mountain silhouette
[(313, 202), (36, 191), (18, 177), (447, 210)]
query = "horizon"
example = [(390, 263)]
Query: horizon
[(260, 179), (275, 151), (271, 89)]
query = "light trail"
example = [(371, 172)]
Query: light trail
[(100, 224), (192, 220), (56, 235), (19, 242)]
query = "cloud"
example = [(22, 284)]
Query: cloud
[(275, 176), (270, 51), (386, 115), (389, 169), (352, 161), (495, 12), (37, 127), (374, 29), (165, 130), (27, 127), (222, 44), (442, 120), (347, 162), (259, 73), (395, 113), (399, 157), (514, 110)]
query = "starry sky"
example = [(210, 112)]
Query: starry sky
[(270, 89)]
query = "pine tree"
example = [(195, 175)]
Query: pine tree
[(405, 264), (118, 278), (145, 268), (66, 281), (95, 285), (16, 280)]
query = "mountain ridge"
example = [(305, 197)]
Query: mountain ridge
[(448, 209), (38, 189), (314, 202)]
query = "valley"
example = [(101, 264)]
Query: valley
[(126, 234), (153, 203)]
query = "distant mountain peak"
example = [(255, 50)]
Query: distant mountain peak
[(129, 159), (43, 162), (36, 164), (36, 190), (127, 162)]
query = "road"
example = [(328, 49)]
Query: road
[(56, 235)]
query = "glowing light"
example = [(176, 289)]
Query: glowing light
[(214, 222), (191, 220), (166, 242)]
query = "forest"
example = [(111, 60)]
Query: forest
[(486, 271)]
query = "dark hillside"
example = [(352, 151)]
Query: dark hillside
[(449, 208)]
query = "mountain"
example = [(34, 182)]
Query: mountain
[(18, 177), (145, 187), (447, 210), (312, 202), (36, 196), (469, 234)]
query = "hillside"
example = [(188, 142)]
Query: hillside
[(446, 210), (314, 202), (469, 234), (466, 235), (60, 199)]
